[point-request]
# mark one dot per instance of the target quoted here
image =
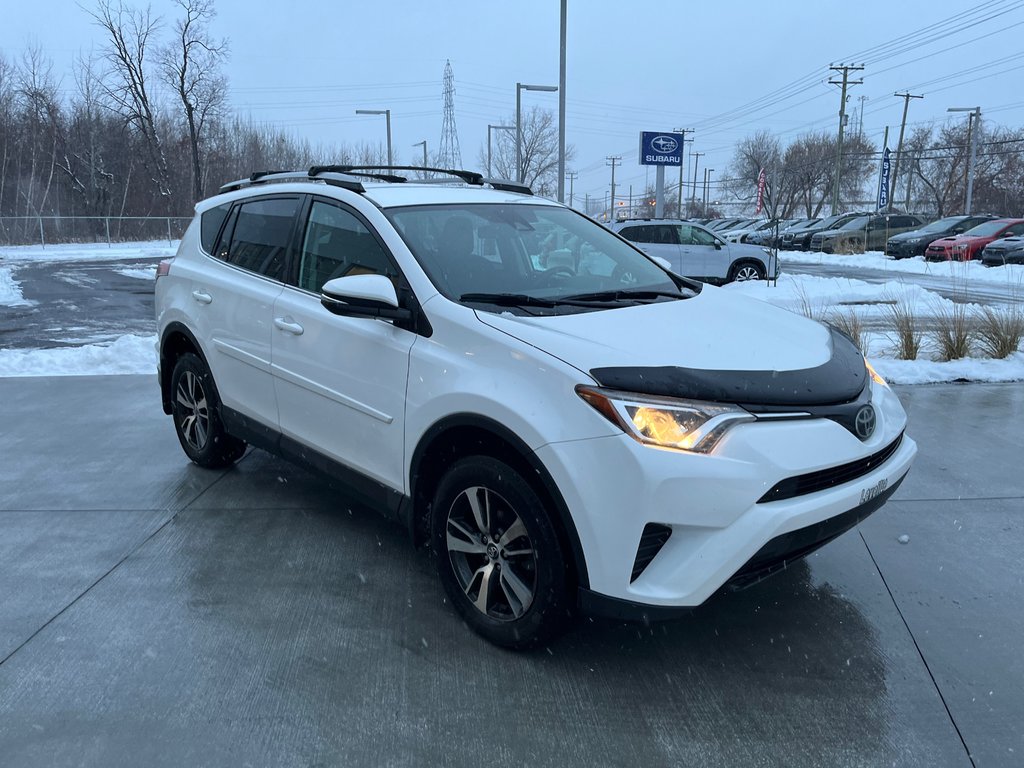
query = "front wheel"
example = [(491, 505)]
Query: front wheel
[(196, 412), (498, 554), (747, 271)]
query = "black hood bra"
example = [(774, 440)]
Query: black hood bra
[(841, 379)]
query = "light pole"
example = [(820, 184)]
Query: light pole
[(520, 87), (387, 117), (494, 128), (424, 145), (707, 182), (976, 115), (561, 106)]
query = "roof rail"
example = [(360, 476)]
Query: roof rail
[(264, 177), (470, 177)]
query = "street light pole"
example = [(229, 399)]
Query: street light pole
[(520, 87), (387, 118), (424, 145), (494, 128), (561, 109), (974, 129)]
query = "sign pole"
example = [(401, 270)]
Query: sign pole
[(659, 192)]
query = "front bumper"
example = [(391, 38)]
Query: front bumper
[(616, 489)]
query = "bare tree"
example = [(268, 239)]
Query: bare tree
[(540, 151), (129, 33), (191, 67)]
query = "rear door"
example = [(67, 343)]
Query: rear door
[(657, 240), (235, 293), (341, 381)]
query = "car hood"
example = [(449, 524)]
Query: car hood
[(715, 330), (915, 234), (1007, 243), (947, 242), (715, 346)]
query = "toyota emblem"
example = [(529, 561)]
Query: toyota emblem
[(864, 422)]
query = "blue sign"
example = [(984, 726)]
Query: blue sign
[(883, 181), (661, 148)]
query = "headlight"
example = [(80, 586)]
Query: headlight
[(874, 374), (685, 425)]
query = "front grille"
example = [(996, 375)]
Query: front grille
[(651, 541), (823, 479)]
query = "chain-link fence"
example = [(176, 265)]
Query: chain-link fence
[(49, 230)]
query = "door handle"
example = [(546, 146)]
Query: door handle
[(288, 325), (202, 297)]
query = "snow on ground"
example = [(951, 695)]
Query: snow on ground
[(155, 250), (959, 272), (128, 354), (10, 290), (816, 295), (148, 273)]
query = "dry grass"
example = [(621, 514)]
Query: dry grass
[(907, 332), (999, 331), (811, 308), (849, 322), (953, 333)]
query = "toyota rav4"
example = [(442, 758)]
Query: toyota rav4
[(569, 425)]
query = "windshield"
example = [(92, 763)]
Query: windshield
[(541, 252), (987, 229), (829, 221), (858, 223), (942, 224)]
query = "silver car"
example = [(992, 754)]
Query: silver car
[(693, 251)]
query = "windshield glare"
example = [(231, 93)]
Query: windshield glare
[(541, 251), (987, 229), (859, 223), (942, 224)]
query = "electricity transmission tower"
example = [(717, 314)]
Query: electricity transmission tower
[(449, 156)]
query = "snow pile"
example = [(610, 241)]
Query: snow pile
[(968, 369), (127, 354), (89, 252), (147, 273), (960, 272), (10, 290)]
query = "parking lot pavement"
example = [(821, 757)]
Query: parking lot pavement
[(152, 613)]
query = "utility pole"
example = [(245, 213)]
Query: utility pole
[(586, 203), (845, 83), (684, 131), (973, 129), (899, 147), (707, 182), (696, 161), (571, 176), (612, 161)]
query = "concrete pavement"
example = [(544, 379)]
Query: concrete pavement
[(153, 613)]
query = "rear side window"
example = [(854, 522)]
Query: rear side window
[(651, 233), (337, 244), (209, 226), (262, 233)]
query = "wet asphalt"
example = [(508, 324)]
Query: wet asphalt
[(156, 614)]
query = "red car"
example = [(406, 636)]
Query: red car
[(968, 245)]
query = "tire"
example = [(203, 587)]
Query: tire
[(196, 413), (746, 270), (512, 591)]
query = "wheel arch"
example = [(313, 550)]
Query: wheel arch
[(175, 341), (469, 434), (745, 261)]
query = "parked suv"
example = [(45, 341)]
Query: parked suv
[(569, 425), (693, 251), (864, 233), (800, 240)]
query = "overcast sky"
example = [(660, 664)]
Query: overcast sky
[(306, 65)]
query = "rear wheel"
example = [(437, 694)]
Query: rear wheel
[(196, 412), (498, 554), (746, 271)]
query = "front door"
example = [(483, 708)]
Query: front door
[(341, 381)]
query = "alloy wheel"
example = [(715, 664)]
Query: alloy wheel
[(195, 413), (491, 554), (747, 272)]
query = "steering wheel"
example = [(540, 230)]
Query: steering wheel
[(623, 275), (563, 270)]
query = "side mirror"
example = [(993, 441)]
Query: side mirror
[(662, 262), (363, 296)]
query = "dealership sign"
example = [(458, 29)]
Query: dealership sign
[(661, 148)]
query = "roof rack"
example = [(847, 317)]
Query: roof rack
[(345, 176), (345, 181), (470, 177)]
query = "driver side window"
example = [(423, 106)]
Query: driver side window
[(337, 244), (702, 237)]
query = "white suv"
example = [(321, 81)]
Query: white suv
[(569, 425), (693, 251)]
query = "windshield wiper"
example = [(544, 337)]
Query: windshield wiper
[(625, 295), (524, 300)]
